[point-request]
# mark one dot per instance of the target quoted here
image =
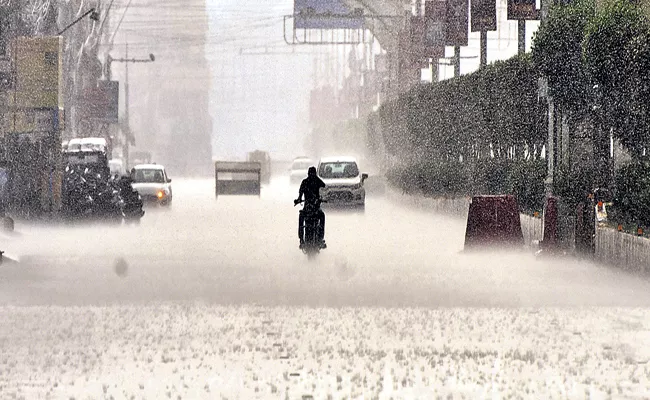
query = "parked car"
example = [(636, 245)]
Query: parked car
[(345, 184), (152, 183), (298, 170)]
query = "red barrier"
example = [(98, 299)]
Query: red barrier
[(493, 221)]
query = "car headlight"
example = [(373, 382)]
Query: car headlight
[(161, 194)]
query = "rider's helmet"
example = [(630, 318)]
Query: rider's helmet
[(311, 171)]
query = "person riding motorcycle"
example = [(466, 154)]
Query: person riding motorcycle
[(310, 188)]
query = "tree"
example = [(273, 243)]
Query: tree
[(632, 200), (616, 58), (557, 55)]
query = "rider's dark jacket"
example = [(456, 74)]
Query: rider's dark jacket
[(310, 187)]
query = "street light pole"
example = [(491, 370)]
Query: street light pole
[(108, 76), (110, 60), (521, 36), (94, 15), (126, 107)]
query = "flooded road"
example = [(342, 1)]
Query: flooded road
[(244, 250), (213, 299)]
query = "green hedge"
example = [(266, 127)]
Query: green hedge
[(632, 199), (480, 133), (523, 178)]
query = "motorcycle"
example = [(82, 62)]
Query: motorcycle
[(311, 227)]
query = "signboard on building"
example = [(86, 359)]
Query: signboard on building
[(101, 102), (484, 15), (39, 72), (457, 21), (522, 10), (326, 14), (33, 120), (418, 50), (435, 28)]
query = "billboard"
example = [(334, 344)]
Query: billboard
[(325, 14), (101, 102), (411, 44), (457, 18), (435, 29), (38, 81), (417, 43), (522, 10), (484, 15)]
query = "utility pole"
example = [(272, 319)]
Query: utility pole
[(126, 127), (549, 182), (521, 36), (127, 123), (456, 61), (483, 45)]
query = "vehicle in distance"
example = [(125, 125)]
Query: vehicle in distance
[(116, 166), (298, 170), (264, 159), (152, 183), (343, 180)]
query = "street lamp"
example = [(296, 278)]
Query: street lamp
[(94, 15), (107, 76), (110, 60)]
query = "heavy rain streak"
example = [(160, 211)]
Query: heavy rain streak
[(473, 225)]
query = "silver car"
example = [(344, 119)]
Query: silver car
[(344, 181), (152, 183)]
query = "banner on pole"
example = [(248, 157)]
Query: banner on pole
[(457, 16), (522, 10), (326, 14), (484, 15), (434, 28)]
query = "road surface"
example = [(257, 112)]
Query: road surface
[(213, 298)]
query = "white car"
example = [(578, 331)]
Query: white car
[(344, 181), (152, 183), (298, 170)]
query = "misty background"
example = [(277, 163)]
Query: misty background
[(225, 78)]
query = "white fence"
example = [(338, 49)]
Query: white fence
[(532, 228), (625, 251)]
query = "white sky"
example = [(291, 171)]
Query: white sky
[(258, 101)]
